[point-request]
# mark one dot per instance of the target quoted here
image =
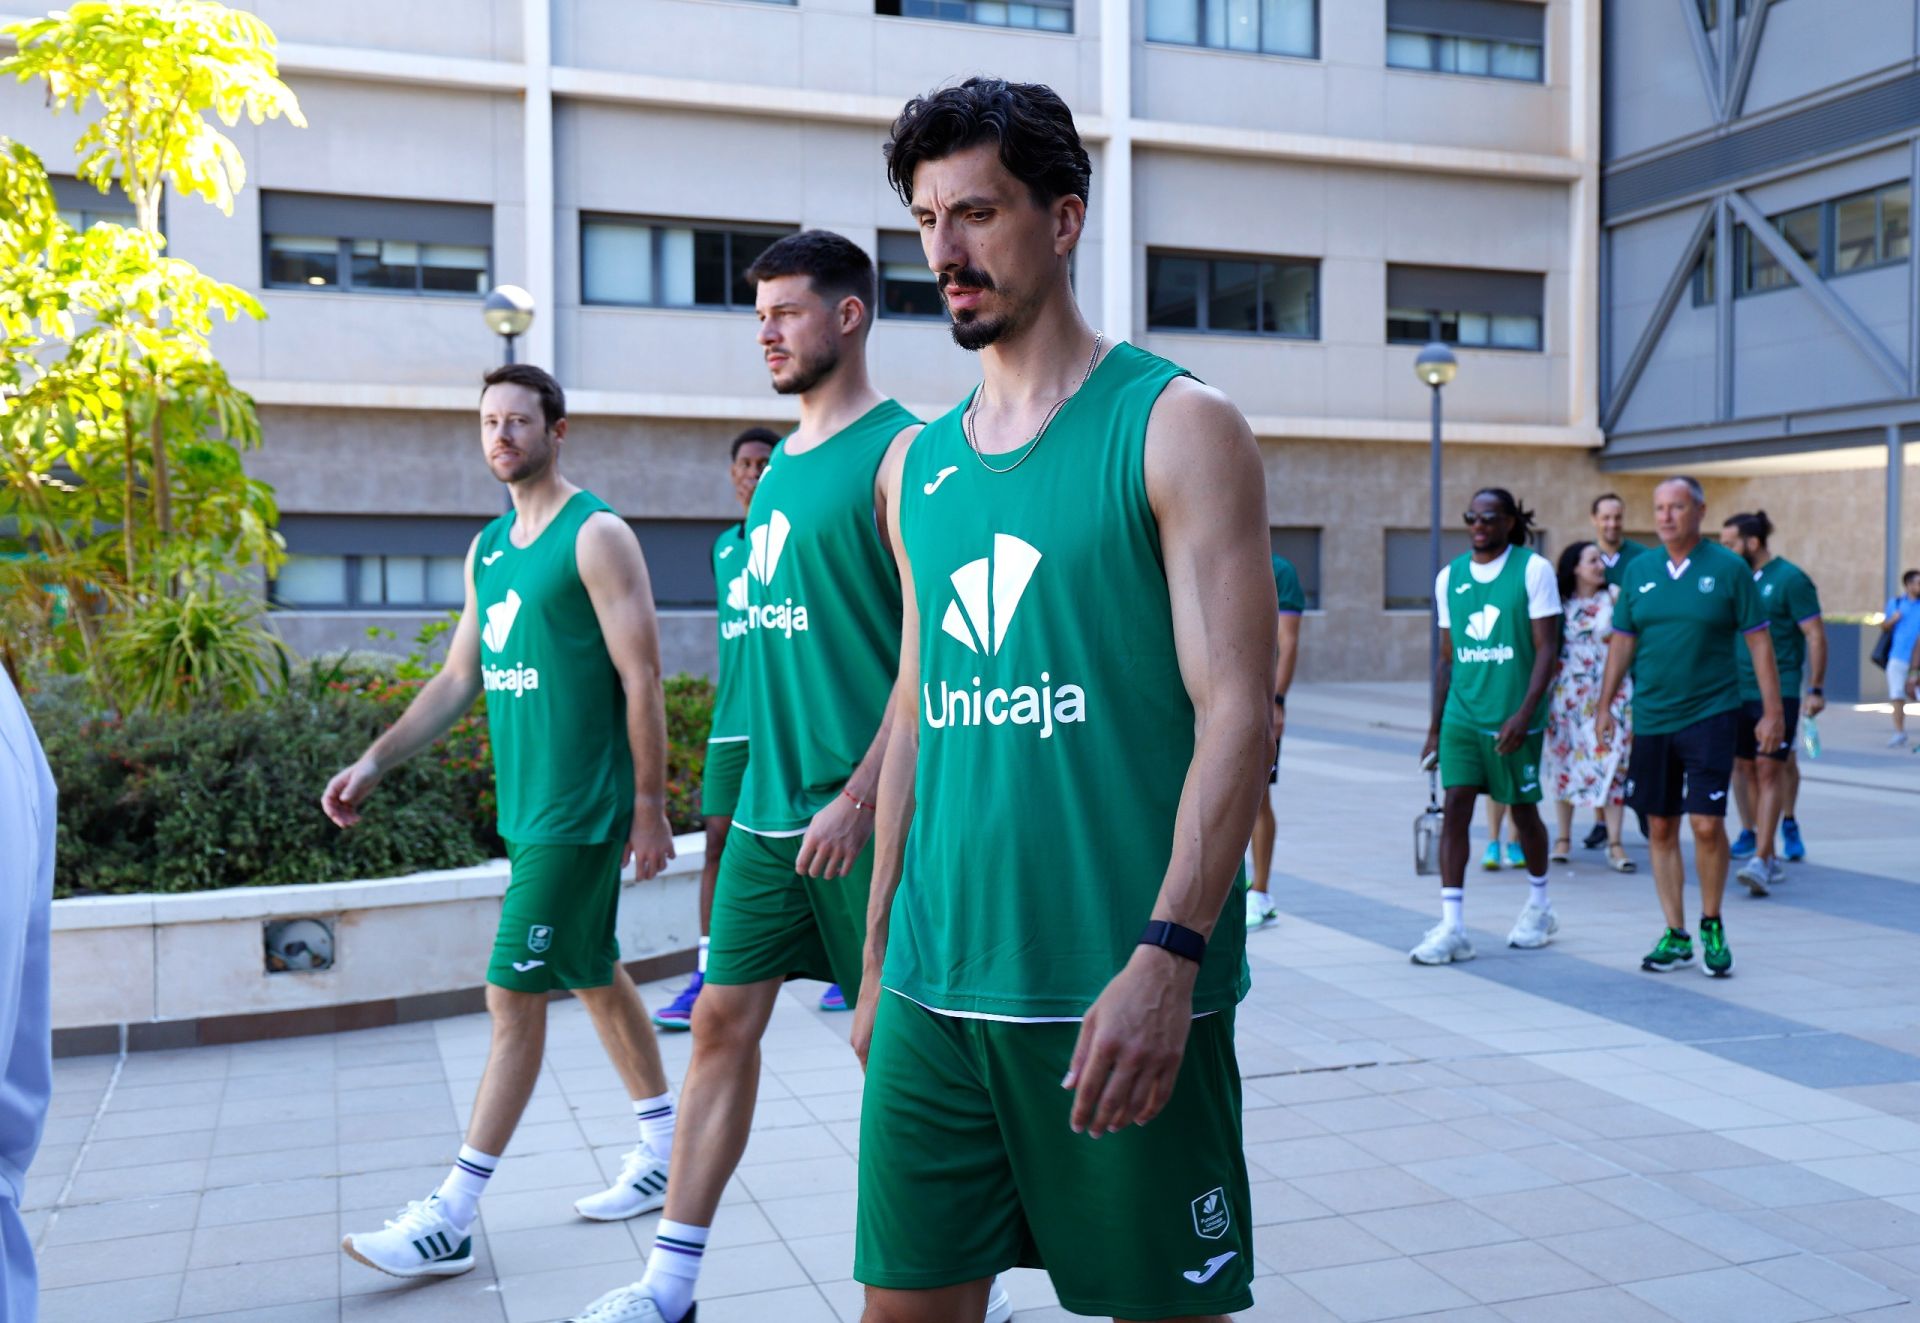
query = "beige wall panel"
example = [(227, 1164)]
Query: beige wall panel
[(912, 56), (724, 42), (1191, 85), (1496, 113), (668, 163), (385, 140), (471, 29)]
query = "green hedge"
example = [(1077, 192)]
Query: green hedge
[(227, 798)]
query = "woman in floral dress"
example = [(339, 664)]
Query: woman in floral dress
[(1577, 772)]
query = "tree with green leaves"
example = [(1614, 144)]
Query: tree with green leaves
[(125, 509)]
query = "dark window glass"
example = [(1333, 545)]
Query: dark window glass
[(743, 251), (1411, 326), (447, 268), (1232, 295), (1274, 27), (1289, 296), (1896, 221), (1703, 275), (652, 264), (1037, 15), (1233, 301), (1409, 568), (301, 260), (381, 265), (907, 287), (1173, 292), (1301, 546), (710, 268)]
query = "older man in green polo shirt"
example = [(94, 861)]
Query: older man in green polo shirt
[(1678, 621)]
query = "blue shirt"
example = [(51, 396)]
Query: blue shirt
[(1907, 628), (26, 900)]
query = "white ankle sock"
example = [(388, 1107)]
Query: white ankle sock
[(1452, 901), (656, 1124), (700, 965), (1539, 897), (460, 1192), (673, 1267)]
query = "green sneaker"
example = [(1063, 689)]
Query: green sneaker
[(1491, 859), (1674, 950), (1713, 948)]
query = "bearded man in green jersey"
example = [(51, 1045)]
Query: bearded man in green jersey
[(1761, 781), (1081, 720), (558, 631), (1679, 618), (1498, 608)]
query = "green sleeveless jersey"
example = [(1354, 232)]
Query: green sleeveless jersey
[(555, 707), (1493, 650), (822, 643), (730, 595), (1055, 727)]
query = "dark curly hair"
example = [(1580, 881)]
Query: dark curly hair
[(1038, 143), (1523, 519)]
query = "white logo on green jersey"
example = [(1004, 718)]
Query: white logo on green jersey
[(1480, 624), (987, 592), (934, 486), (500, 618), (764, 545)]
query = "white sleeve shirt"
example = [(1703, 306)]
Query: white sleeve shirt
[(26, 899), (1543, 589)]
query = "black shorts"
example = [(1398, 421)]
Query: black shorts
[(1746, 746), (1686, 770)]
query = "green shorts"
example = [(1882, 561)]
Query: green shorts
[(1467, 758), (968, 1168), (557, 920), (770, 922), (720, 782)]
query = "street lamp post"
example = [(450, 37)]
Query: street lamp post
[(1435, 367), (508, 312)]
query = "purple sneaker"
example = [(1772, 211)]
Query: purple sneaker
[(833, 999), (678, 1014)]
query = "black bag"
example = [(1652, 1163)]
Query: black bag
[(1883, 650)]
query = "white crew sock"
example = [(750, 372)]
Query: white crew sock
[(1452, 900), (460, 1192), (1539, 897), (656, 1124), (700, 965), (673, 1267)]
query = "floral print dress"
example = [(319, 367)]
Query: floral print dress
[(1575, 770)]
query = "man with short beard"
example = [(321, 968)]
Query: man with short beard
[(818, 657), (559, 632)]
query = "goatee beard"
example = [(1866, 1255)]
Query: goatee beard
[(808, 375), (978, 332)]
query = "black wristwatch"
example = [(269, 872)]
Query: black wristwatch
[(1816, 691), (1279, 700), (1183, 942)]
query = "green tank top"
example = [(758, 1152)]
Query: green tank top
[(1055, 727), (557, 714), (822, 642), (730, 594), (1493, 650)]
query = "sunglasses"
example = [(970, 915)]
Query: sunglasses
[(1474, 517)]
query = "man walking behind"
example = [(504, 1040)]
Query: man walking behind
[(1679, 617), (1261, 910), (558, 631), (1791, 605), (1080, 721), (726, 760), (1498, 608)]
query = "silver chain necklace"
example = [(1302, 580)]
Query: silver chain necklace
[(966, 419)]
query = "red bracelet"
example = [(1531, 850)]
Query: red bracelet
[(859, 802)]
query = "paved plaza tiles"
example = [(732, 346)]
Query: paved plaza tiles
[(1536, 1136)]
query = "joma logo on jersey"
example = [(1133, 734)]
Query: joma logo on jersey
[(515, 679), (987, 592), (765, 542)]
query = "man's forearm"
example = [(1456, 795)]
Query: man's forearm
[(1817, 654), (1619, 656), (1214, 820), (892, 819), (1289, 654), (647, 735), (864, 784), (440, 703)]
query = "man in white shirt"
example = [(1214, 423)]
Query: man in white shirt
[(26, 1034)]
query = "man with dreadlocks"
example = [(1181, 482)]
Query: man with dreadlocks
[(1489, 710)]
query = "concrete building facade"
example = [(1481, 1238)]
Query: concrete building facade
[(1760, 298), (1289, 196)]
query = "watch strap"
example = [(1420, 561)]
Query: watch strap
[(1183, 942)]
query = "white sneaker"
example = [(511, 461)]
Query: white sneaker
[(1261, 911), (420, 1242), (1895, 740), (1534, 928), (641, 1188), (1776, 871), (1756, 875), (1441, 946), (999, 1307), (627, 1304)]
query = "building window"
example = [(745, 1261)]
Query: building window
[(1268, 27), (1710, 11), (679, 556), (1301, 546), (83, 206), (1488, 38), (1474, 309), (1703, 292), (346, 583), (1872, 229), (1233, 295), (661, 264), (1409, 571), (314, 241), (1036, 15), (908, 288)]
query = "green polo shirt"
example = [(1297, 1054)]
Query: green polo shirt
[(1788, 599), (1286, 584), (1629, 552), (1688, 626)]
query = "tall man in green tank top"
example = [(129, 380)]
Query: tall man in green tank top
[(1498, 608), (558, 632), (822, 611), (1081, 720)]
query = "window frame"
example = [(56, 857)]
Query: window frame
[(657, 226), (1262, 53), (1824, 260), (882, 260), (1313, 264), (1434, 316), (343, 270), (893, 9), (351, 564), (1432, 38)]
